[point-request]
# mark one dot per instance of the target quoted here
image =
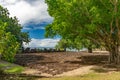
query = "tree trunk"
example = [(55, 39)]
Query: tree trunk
[(114, 57), (65, 49), (89, 49)]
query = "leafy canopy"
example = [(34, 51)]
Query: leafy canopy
[(11, 37), (95, 20)]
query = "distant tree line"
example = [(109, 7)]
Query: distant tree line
[(37, 50)]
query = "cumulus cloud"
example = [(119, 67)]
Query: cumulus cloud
[(33, 15), (42, 43), (27, 10), (40, 27)]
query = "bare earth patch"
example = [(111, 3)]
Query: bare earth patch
[(61, 63), (76, 72)]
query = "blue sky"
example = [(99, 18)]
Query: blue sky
[(33, 16), (35, 30)]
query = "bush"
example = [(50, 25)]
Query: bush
[(9, 47)]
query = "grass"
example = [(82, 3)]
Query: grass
[(91, 76), (10, 68), (16, 69)]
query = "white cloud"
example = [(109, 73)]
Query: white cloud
[(5, 2), (31, 11), (41, 27), (34, 28), (26, 28), (42, 43), (27, 11)]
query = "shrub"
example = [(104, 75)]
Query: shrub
[(9, 48)]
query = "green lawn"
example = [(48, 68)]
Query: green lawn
[(7, 67), (91, 76)]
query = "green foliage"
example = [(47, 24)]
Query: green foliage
[(67, 43), (11, 37), (95, 21), (69, 19), (8, 44), (10, 47), (62, 44), (13, 26)]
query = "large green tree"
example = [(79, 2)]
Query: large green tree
[(11, 37), (13, 26), (66, 24), (95, 20)]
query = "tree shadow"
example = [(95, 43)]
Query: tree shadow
[(28, 59), (101, 61), (73, 62), (94, 59), (20, 77), (46, 62), (100, 70), (89, 60)]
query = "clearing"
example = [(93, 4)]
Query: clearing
[(62, 63), (65, 65)]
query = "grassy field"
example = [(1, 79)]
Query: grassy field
[(91, 76), (7, 67)]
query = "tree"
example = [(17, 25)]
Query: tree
[(13, 26), (77, 44), (62, 44), (11, 37), (8, 44), (64, 24), (94, 20)]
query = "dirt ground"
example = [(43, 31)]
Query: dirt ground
[(59, 62)]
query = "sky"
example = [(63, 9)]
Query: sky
[(33, 16)]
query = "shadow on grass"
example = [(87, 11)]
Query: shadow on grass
[(19, 77), (100, 70), (101, 61)]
